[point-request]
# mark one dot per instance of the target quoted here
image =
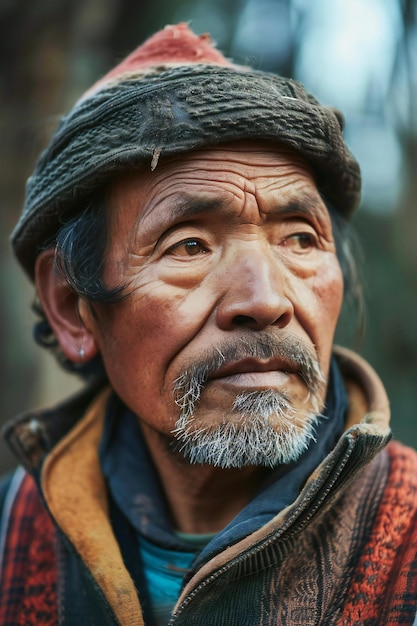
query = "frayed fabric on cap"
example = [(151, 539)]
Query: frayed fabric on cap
[(174, 94)]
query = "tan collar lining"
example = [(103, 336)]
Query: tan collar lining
[(75, 492), (368, 400)]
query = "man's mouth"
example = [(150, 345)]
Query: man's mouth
[(250, 363), (255, 373)]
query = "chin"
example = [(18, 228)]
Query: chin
[(262, 430)]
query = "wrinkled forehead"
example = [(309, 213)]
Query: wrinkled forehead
[(237, 164), (208, 178)]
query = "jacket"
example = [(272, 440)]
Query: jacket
[(343, 553)]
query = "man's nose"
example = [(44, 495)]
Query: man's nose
[(254, 294)]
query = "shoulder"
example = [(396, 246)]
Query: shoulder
[(9, 488), (383, 584), (28, 564), (5, 482), (19, 496), (399, 500), (22, 514), (396, 521), (403, 461), (17, 490)]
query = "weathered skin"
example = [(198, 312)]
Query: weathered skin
[(219, 244)]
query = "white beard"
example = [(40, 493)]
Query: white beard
[(263, 429)]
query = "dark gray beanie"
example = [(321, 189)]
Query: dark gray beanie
[(174, 94)]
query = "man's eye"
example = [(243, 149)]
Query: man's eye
[(300, 242), (187, 247)]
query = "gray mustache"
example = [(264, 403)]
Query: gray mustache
[(189, 385)]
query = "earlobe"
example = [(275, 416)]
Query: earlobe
[(61, 306)]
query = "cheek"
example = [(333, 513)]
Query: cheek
[(320, 302), (141, 339), (136, 331), (136, 344), (328, 289)]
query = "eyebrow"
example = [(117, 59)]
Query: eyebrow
[(190, 205), (307, 205)]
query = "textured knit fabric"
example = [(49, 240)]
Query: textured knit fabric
[(145, 111), (29, 576), (384, 583)]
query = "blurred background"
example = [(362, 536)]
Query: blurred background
[(358, 55)]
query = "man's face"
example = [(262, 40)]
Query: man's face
[(232, 294)]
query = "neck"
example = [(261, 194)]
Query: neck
[(201, 498)]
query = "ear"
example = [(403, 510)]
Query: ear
[(67, 313)]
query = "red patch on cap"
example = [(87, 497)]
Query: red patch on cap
[(173, 44)]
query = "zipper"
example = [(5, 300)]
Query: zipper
[(285, 533)]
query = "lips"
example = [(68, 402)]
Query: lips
[(255, 373), (245, 366)]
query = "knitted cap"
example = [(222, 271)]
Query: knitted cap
[(174, 94)]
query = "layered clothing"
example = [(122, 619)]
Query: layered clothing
[(337, 547)]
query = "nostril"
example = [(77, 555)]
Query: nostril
[(243, 320)]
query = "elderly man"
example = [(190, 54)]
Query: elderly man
[(186, 233)]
